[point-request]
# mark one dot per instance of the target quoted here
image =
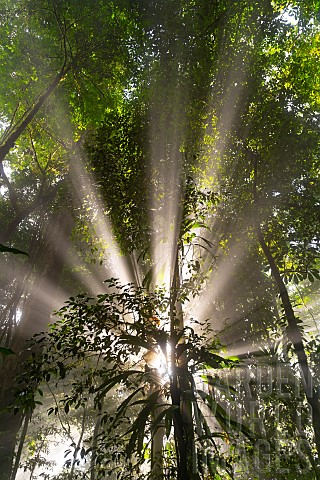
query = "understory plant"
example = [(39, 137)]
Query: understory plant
[(159, 405)]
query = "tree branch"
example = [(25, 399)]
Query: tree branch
[(30, 113)]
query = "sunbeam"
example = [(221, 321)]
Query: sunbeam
[(166, 179), (84, 187), (159, 240)]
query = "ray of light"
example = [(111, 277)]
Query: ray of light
[(209, 176), (87, 194), (221, 276), (221, 123), (166, 200)]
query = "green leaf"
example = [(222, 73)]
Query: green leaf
[(139, 425), (223, 417), (164, 414), (200, 225), (168, 421), (212, 360), (15, 251), (146, 282), (131, 340), (218, 383), (124, 405), (62, 369), (310, 277), (6, 351), (209, 436), (233, 359), (106, 386)]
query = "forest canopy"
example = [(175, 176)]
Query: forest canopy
[(159, 239)]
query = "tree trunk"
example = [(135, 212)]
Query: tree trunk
[(294, 332), (295, 336), (94, 445), (180, 383), (157, 472), (78, 446), (12, 136), (27, 418), (35, 318)]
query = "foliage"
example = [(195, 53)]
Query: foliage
[(117, 345), (117, 153), (174, 100)]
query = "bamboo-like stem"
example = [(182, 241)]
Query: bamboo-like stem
[(77, 448), (157, 472), (182, 417), (20, 446)]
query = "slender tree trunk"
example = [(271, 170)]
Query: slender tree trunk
[(10, 424), (294, 332), (157, 472), (11, 137), (295, 336), (35, 318), (180, 384), (78, 446), (95, 442), (27, 418)]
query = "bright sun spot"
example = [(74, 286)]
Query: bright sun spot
[(160, 362), (289, 16)]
